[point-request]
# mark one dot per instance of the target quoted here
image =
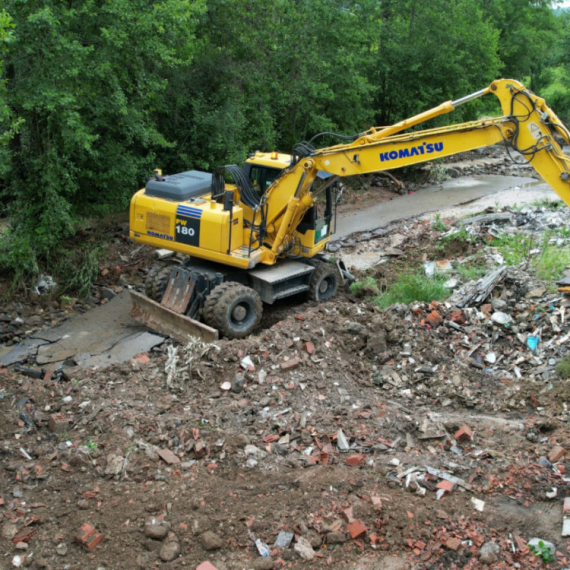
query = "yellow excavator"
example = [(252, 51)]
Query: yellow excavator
[(247, 236)]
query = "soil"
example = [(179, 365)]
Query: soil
[(335, 422)]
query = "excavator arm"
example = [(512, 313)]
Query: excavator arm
[(527, 125)]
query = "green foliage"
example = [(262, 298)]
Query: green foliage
[(368, 283), (95, 94), (543, 552), (513, 247), (85, 81), (563, 368), (413, 287), (438, 225), (76, 269), (470, 272)]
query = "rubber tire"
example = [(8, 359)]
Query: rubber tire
[(157, 280), (221, 303), (323, 273)]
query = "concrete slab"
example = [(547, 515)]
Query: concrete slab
[(104, 336)]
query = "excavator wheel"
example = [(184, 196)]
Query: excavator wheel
[(324, 282), (157, 281), (233, 309)]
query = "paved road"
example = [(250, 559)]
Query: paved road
[(432, 198)]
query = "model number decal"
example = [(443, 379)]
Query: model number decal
[(187, 230), (182, 228)]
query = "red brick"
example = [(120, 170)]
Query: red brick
[(310, 347), (290, 363), (435, 318), (464, 433), (168, 457), (356, 529), (58, 423), (457, 317), (453, 543), (355, 460), (88, 537), (556, 454), (447, 486)]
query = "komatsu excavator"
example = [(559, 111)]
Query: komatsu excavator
[(261, 238)]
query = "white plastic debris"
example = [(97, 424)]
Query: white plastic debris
[(44, 284), (501, 318), (478, 504)]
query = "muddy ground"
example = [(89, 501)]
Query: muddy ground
[(421, 436)]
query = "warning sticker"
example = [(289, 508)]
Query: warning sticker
[(535, 131)]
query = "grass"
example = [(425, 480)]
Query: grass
[(366, 283), (549, 204), (514, 248), (76, 269), (552, 262), (470, 271), (412, 287), (563, 368), (438, 225)]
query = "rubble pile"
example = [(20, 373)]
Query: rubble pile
[(426, 435)]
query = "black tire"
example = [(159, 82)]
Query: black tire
[(324, 282), (157, 280), (233, 309)]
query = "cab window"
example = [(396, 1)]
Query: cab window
[(261, 177)]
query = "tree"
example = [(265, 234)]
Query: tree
[(85, 78)]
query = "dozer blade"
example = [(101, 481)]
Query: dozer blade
[(163, 320)]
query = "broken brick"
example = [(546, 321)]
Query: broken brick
[(355, 460), (464, 433), (310, 347), (435, 318), (453, 543), (206, 566), (447, 486), (25, 534), (290, 363), (200, 449), (556, 454), (356, 529), (168, 457), (457, 317), (58, 423), (88, 537)]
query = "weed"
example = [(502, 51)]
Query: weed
[(542, 551), (438, 225), (91, 445), (66, 300), (77, 269), (470, 271), (551, 261), (514, 248), (547, 203), (460, 236), (366, 283), (412, 287), (563, 368), (438, 173)]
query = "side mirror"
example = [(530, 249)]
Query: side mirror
[(228, 200)]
